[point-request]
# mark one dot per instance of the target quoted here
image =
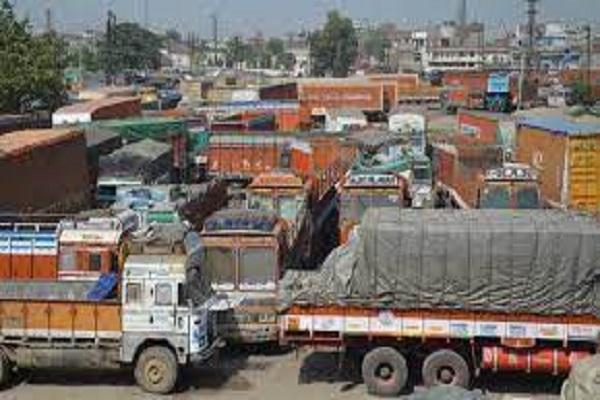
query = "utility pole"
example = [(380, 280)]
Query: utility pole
[(532, 12), (49, 25), (111, 40), (146, 13), (215, 32), (588, 37)]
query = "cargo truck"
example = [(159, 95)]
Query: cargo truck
[(74, 248), (147, 321), (450, 294), (245, 252)]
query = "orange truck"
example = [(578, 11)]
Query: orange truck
[(452, 294), (245, 252), (75, 248), (145, 321)]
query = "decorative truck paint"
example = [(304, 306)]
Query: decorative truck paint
[(148, 323)]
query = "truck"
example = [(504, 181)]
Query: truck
[(172, 203), (245, 253), (451, 295), (145, 320), (493, 91), (80, 248), (476, 177), (361, 191)]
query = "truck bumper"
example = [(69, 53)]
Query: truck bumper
[(208, 353)]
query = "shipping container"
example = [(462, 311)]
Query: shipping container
[(43, 171), (566, 156)]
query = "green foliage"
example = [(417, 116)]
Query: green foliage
[(287, 61), (134, 48), (582, 92), (275, 47), (237, 52), (30, 67), (376, 44), (334, 49)]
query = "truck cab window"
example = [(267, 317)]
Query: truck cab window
[(133, 293), (95, 262), (257, 269), (163, 294), (220, 266)]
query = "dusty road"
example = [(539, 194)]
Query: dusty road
[(313, 376)]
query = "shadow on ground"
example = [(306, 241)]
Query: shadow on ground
[(220, 372), (324, 367)]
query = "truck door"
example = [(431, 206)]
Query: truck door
[(163, 310)]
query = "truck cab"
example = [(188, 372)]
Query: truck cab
[(513, 186), (359, 192), (245, 252), (151, 317), (157, 305), (283, 193), (421, 190)]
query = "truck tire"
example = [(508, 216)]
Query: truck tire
[(385, 372), (156, 370), (446, 368)]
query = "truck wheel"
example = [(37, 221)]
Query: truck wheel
[(446, 368), (385, 372), (156, 370)]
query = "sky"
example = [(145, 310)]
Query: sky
[(278, 17)]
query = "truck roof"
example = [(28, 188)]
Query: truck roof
[(240, 221), (145, 265)]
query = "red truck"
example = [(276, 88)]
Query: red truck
[(452, 294)]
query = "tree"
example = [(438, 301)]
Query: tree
[(287, 61), (236, 52), (174, 35), (582, 92), (376, 45), (334, 49), (31, 67), (134, 48)]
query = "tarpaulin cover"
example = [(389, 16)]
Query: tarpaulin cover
[(146, 159), (583, 382), (543, 262), (45, 290)]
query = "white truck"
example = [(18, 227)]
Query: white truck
[(146, 319)]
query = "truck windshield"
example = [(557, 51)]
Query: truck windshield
[(260, 202), (422, 174), (528, 198), (220, 267), (289, 207), (257, 269), (496, 198)]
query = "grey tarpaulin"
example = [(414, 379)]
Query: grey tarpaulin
[(542, 261), (584, 381)]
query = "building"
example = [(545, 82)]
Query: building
[(344, 119)]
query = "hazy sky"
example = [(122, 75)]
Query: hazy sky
[(281, 16)]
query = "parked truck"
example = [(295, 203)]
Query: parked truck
[(72, 248), (245, 252), (452, 294), (147, 321), (492, 91)]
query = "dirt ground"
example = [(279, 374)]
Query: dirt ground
[(251, 376)]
